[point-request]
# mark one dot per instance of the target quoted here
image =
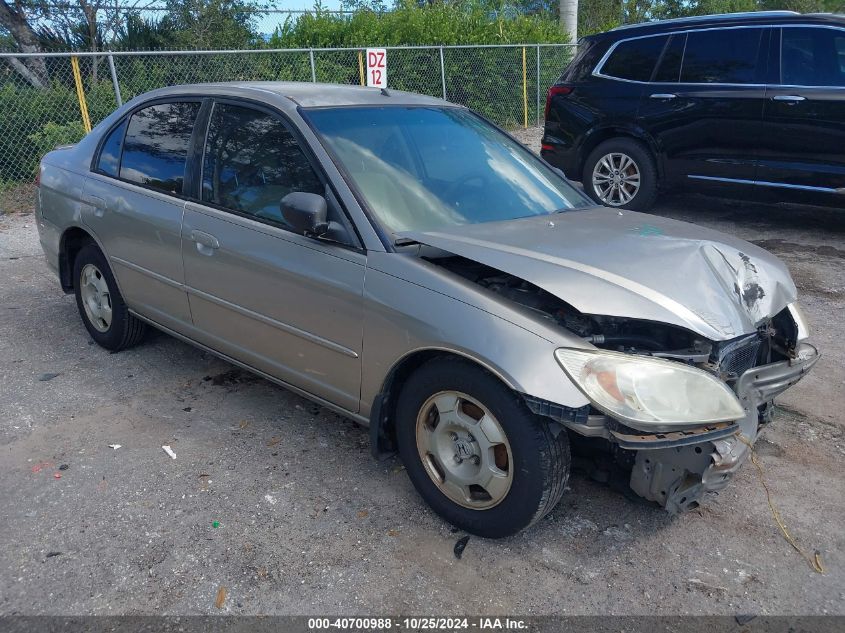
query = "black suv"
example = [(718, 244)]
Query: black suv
[(755, 99)]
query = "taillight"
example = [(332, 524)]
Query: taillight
[(554, 91)]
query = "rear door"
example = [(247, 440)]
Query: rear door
[(286, 304), (704, 106), (135, 197), (804, 141)]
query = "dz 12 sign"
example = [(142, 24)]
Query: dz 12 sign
[(376, 68)]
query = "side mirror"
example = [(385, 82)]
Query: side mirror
[(305, 212)]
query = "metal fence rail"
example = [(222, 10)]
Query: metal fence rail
[(54, 98)]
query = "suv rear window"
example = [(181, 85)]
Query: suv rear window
[(724, 56), (812, 57), (634, 59), (156, 145)]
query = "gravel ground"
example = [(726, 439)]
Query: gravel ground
[(308, 523)]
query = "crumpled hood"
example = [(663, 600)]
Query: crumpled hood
[(628, 264)]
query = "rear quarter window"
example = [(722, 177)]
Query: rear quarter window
[(108, 162), (634, 59)]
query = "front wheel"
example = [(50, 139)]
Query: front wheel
[(620, 172), (475, 452)]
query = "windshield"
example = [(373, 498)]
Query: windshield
[(419, 168)]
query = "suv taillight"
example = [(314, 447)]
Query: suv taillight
[(554, 91)]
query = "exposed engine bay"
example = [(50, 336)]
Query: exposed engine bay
[(673, 469), (773, 341)]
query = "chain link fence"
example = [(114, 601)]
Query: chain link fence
[(52, 99)]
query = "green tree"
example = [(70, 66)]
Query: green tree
[(211, 24)]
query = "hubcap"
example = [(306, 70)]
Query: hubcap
[(616, 179), (464, 450), (96, 298)]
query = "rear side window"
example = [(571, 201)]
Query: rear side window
[(109, 161), (725, 56), (812, 57), (251, 162), (669, 69), (634, 59), (156, 146)]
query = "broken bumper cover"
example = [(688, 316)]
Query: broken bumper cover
[(677, 475)]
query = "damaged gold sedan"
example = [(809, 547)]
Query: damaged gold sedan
[(400, 260)]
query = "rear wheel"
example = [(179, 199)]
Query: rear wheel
[(100, 304), (475, 452), (620, 172)]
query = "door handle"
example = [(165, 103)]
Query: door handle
[(665, 96), (206, 243), (790, 99)]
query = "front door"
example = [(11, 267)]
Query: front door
[(286, 304), (804, 142), (704, 106)]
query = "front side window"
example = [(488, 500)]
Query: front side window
[(812, 57), (634, 59), (419, 168), (725, 56), (251, 161), (109, 161), (156, 146)]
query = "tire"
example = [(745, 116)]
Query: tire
[(642, 165), (534, 456), (98, 289)]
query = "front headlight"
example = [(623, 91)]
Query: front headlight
[(652, 391), (802, 326)]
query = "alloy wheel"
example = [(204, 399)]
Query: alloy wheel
[(96, 298), (616, 179), (464, 450)]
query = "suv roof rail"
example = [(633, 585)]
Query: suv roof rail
[(717, 16)]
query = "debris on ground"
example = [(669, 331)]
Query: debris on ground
[(220, 600), (393, 532), (114, 446), (215, 524), (274, 440), (742, 620), (460, 546), (53, 554), (695, 583), (64, 467), (362, 514), (270, 499), (169, 451), (47, 376), (57, 475)]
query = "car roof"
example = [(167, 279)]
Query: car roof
[(753, 18), (305, 94)]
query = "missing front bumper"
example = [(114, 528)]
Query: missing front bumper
[(677, 476)]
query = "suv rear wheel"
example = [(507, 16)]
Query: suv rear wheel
[(620, 172), (475, 452)]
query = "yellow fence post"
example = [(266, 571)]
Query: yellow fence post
[(524, 89), (361, 66), (80, 94)]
